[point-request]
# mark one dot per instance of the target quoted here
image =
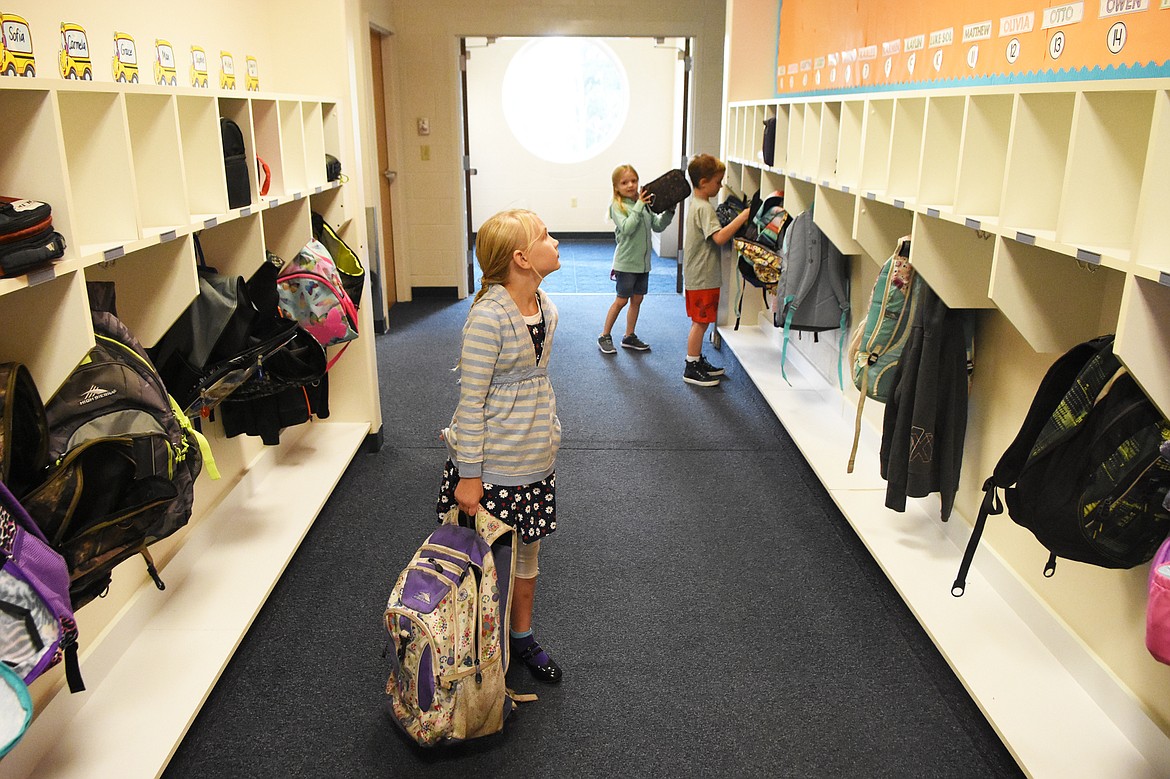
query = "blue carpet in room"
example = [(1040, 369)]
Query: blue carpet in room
[(714, 612)]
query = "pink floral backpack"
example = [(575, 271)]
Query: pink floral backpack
[(311, 292)]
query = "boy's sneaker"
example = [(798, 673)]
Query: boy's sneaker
[(694, 374), (632, 341), (605, 344), (708, 368)]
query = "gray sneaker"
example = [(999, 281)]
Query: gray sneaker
[(605, 344), (632, 341), (693, 374)]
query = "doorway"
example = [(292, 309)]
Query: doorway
[(547, 119)]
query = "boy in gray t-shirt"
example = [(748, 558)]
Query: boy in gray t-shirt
[(702, 238)]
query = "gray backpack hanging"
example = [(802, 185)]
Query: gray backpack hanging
[(813, 293)]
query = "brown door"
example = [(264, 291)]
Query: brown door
[(386, 179)]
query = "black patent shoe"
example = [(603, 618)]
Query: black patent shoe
[(550, 673)]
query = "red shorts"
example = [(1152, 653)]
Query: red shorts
[(703, 305)]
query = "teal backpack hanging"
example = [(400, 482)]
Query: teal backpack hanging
[(878, 341)]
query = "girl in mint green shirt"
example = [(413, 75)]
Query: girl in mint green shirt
[(633, 221)]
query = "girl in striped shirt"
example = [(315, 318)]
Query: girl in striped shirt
[(504, 435)]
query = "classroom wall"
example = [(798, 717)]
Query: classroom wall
[(430, 224), (1104, 609), (570, 197)]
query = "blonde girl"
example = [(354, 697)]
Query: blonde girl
[(503, 438), (633, 221)]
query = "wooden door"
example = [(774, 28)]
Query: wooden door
[(386, 177)]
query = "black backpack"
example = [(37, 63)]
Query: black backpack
[(123, 458), (227, 333), (1088, 479), (235, 163)]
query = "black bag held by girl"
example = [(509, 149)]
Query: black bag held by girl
[(667, 191), (1084, 473)]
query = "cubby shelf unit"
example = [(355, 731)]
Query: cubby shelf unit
[(1077, 176), (1044, 206), (134, 173)]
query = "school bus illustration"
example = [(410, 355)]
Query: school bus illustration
[(251, 75), (164, 63), (16, 48), (227, 71), (198, 67), (125, 58), (74, 59)]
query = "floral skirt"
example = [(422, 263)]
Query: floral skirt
[(530, 508)]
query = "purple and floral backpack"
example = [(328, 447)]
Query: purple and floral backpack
[(448, 616), (312, 293)]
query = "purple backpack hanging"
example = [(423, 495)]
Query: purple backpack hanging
[(37, 628)]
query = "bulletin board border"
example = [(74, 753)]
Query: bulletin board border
[(1085, 75)]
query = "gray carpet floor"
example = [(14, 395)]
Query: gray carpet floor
[(713, 611)]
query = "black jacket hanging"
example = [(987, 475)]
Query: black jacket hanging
[(926, 416)]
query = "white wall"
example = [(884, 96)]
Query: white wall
[(570, 197)]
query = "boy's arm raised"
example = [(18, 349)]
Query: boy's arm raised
[(726, 233)]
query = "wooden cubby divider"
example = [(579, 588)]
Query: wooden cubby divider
[(954, 260), (156, 149), (314, 135), (906, 149), (849, 145), (1037, 159), (878, 226), (267, 136), (986, 129), (875, 153), (833, 213), (1152, 228), (153, 286), (941, 144), (285, 228), (1107, 155), (101, 176), (292, 135), (202, 156)]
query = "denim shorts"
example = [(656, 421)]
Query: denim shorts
[(630, 284)]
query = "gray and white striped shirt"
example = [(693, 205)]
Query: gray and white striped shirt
[(505, 428)]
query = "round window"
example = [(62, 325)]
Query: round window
[(565, 99)]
